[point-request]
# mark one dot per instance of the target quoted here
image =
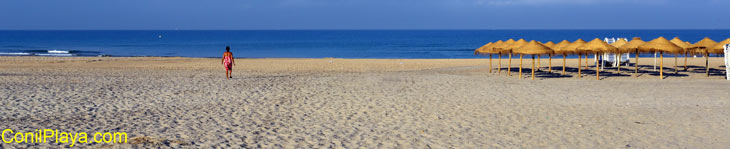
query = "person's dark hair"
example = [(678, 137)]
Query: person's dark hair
[(228, 49)]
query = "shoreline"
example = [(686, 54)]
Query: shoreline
[(475, 57), (475, 66)]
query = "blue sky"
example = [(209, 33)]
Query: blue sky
[(364, 14)]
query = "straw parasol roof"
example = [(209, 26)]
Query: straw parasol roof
[(632, 45), (517, 44), (619, 43), (597, 45), (485, 49), (549, 44), (558, 47), (719, 47), (680, 43), (703, 44), (504, 45), (533, 47), (660, 44), (494, 46), (573, 47), (561, 43)]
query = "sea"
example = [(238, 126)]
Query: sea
[(401, 44)]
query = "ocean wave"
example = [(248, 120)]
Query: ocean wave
[(15, 54), (58, 51), (56, 54), (53, 52)]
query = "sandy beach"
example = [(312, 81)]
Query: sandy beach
[(369, 103)]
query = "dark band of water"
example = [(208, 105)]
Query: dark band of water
[(305, 43)]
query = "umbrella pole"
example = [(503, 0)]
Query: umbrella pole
[(490, 63), (619, 62), (597, 71), (637, 62), (661, 65), (499, 64), (564, 63), (533, 66), (618, 59), (550, 63), (676, 69), (538, 62), (579, 58), (685, 61), (586, 61), (509, 65), (654, 61), (598, 60), (707, 63), (520, 66)]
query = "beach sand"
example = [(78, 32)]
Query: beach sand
[(371, 103)]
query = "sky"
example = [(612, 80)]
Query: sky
[(362, 14)]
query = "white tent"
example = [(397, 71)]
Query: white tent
[(727, 61)]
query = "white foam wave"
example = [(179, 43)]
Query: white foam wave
[(58, 51), (16, 53), (54, 54)]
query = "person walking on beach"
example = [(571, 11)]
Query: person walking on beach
[(228, 62)]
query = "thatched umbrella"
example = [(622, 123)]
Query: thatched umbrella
[(617, 44), (557, 48), (573, 47), (486, 49), (633, 46), (549, 44), (482, 49), (504, 47), (597, 46), (499, 52), (702, 46), (655, 51), (515, 45), (533, 48), (719, 48), (684, 47), (661, 45)]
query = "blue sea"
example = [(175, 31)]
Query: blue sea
[(300, 43)]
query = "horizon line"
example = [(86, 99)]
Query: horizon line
[(334, 29)]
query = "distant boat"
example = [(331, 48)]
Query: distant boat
[(159, 36)]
